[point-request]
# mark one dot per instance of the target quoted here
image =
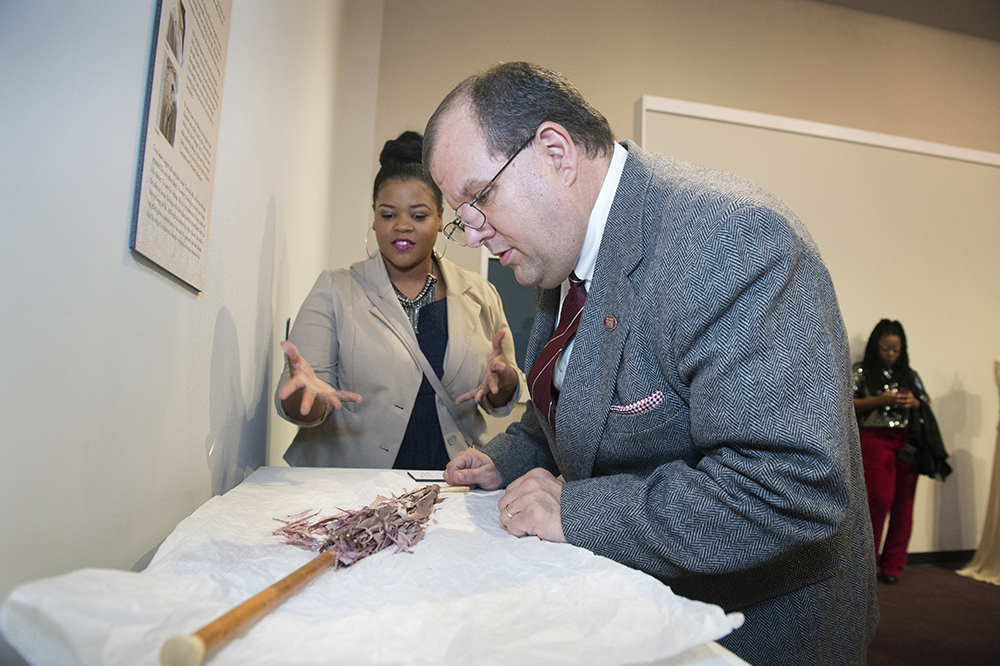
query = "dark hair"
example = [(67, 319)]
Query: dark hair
[(510, 100), (872, 362), (400, 158)]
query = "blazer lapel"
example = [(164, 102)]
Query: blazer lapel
[(463, 313), (374, 280), (591, 377)]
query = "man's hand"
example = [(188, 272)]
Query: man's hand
[(499, 380), (304, 390), (474, 469), (531, 506)]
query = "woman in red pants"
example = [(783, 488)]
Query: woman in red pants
[(886, 388)]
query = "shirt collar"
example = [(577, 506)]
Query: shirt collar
[(599, 216)]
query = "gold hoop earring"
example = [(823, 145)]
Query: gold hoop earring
[(446, 244), (371, 255)]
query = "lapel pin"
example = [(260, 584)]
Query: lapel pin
[(610, 323)]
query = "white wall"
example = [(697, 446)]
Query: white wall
[(127, 400)]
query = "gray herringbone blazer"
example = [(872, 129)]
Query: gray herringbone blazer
[(743, 485)]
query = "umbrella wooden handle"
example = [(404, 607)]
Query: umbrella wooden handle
[(194, 649)]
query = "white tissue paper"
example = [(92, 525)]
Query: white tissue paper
[(469, 593)]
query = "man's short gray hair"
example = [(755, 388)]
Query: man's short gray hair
[(510, 100)]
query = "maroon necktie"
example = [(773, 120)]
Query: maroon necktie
[(540, 375)]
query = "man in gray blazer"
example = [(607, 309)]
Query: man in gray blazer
[(703, 427)]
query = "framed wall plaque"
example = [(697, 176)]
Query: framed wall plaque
[(173, 205)]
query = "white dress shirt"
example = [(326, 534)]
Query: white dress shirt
[(591, 244)]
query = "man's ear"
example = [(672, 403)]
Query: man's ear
[(559, 149)]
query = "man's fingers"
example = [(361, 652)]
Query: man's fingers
[(466, 476), (531, 506), (464, 460), (481, 476)]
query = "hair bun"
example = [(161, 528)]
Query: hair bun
[(406, 147)]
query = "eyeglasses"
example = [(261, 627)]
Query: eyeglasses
[(467, 215)]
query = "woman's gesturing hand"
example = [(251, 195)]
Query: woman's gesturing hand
[(304, 393), (499, 380)]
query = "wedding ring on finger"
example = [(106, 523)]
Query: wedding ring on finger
[(507, 512)]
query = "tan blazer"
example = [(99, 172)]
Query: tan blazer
[(353, 331)]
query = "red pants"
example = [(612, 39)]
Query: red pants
[(891, 487)]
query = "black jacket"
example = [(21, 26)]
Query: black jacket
[(930, 457)]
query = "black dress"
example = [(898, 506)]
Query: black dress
[(423, 445)]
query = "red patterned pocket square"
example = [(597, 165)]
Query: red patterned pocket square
[(639, 406)]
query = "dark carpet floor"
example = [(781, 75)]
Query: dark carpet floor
[(934, 617)]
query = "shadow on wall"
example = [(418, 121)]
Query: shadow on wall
[(959, 414), (237, 439), (954, 519), (234, 446), (280, 432)]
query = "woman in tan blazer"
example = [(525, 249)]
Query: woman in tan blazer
[(390, 361)]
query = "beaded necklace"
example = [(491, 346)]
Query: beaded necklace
[(412, 305)]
